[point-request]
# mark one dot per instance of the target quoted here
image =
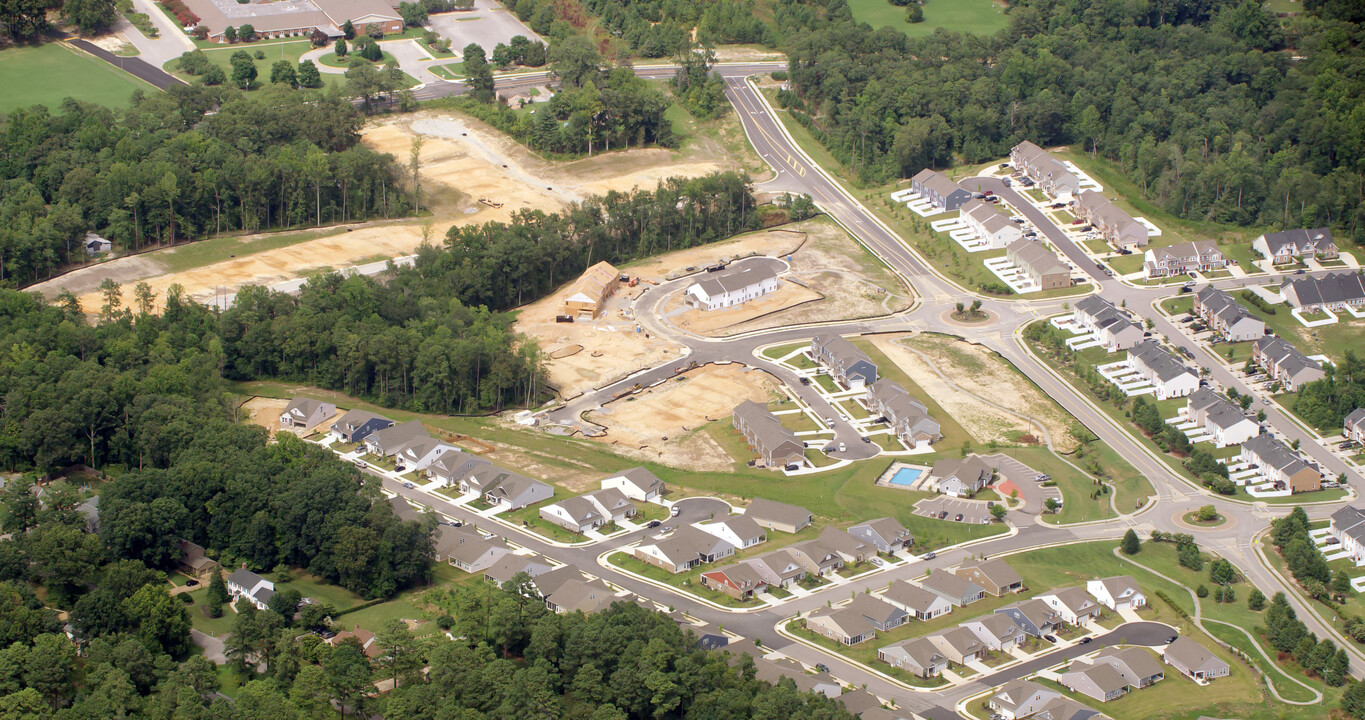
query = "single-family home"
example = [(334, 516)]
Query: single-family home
[(1073, 605), (1096, 680), (501, 487), (908, 417), (740, 581), (944, 194), (356, 425), (886, 534), (363, 637), (990, 224), (728, 288), (960, 477), (1051, 175), (683, 549), (1194, 660), (842, 624), (779, 568), (920, 656), (997, 632), (1119, 591), (194, 562), (1226, 316), (776, 445), (882, 614), (1353, 428), (1276, 463), (1168, 376), (995, 576), (1182, 259), (845, 363), (1287, 246), (1348, 526), (1285, 364), (741, 531), (304, 413), (779, 516), (959, 645), (419, 454), (95, 244), (390, 440), (816, 558), (915, 600), (467, 549), (575, 514), (1333, 291), (1118, 227), (613, 504), (243, 583), (89, 510), (1064, 708), (580, 595), (1035, 617), (406, 511), (1019, 699), (636, 483), (956, 590), (588, 294), (507, 567), (1220, 418), (1115, 330), (772, 671), (1041, 265), (452, 466), (849, 547), (1137, 666)]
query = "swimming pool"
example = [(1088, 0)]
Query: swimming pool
[(906, 476)]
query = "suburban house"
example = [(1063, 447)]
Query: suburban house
[(1194, 660), (90, 511), (1119, 591), (356, 425), (772, 671), (362, 636), (920, 657), (500, 487), (404, 510), (1182, 259), (243, 583), (1052, 177), (944, 194), (886, 534), (1035, 617), (1168, 376), (915, 600), (421, 453), (1041, 265), (816, 558), (1333, 291), (990, 224), (467, 549), (1280, 465), (580, 595), (1019, 699), (1118, 227), (909, 418), (779, 516), (509, 566), (1348, 526), (882, 614), (728, 288), (194, 562), (846, 546), (845, 363), (576, 514), (1285, 364), (996, 632), (452, 466), (995, 576), (1353, 428), (779, 568), (1115, 330), (636, 483), (741, 531), (299, 19), (959, 645), (590, 291), (776, 445), (1226, 316), (1290, 245), (844, 625), (1220, 418), (1073, 605), (387, 442), (960, 477), (684, 549), (740, 581), (304, 413), (956, 590), (1136, 665), (95, 244), (1098, 680)]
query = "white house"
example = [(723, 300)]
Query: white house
[(243, 583), (1200, 255), (1224, 421), (1169, 376), (1112, 326), (1348, 526), (1120, 591), (420, 454), (1072, 604), (731, 287), (740, 531), (637, 484), (990, 224)]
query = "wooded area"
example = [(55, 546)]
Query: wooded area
[(1325, 403)]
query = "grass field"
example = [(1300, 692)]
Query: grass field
[(976, 17), (47, 74), (206, 252)]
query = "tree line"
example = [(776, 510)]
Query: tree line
[(1325, 403), (189, 163), (25, 20)]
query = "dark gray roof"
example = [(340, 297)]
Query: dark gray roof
[(735, 279), (936, 181), (1276, 454), (765, 509), (1326, 290), (1350, 521), (1285, 356), (1036, 258), (1218, 409), (768, 432), (1301, 239), (1161, 363), (394, 438), (356, 418), (1356, 418), (839, 348)]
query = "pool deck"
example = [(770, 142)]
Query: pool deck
[(884, 479)]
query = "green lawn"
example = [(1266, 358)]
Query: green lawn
[(687, 582), (529, 517), (1124, 264), (206, 252), (46, 74), (975, 17), (777, 352), (309, 586), (205, 624), (331, 60)]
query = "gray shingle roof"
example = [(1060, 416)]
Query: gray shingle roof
[(1036, 259), (735, 279), (1276, 454), (1160, 362), (1329, 289), (779, 512)]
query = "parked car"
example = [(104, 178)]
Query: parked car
[(654, 523), (866, 439), (1058, 206), (1085, 640), (1300, 271), (929, 555), (1077, 222), (829, 420), (1050, 638), (1346, 445), (843, 447), (1186, 352), (958, 518), (1331, 540), (942, 514), (821, 667), (673, 512), (408, 485), (359, 463)]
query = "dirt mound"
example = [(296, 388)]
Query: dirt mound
[(564, 352)]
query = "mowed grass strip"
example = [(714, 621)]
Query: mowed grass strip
[(975, 17), (47, 74)]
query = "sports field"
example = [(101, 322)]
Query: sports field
[(46, 74), (977, 17)]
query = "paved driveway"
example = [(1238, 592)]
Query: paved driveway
[(171, 42), (488, 24)]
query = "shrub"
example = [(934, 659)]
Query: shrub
[(914, 13), (780, 75), (1201, 591)]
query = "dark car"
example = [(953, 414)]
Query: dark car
[(942, 514), (1058, 206), (822, 667), (867, 439), (191, 583), (1085, 641), (1186, 352), (1300, 271), (1172, 639), (958, 518), (654, 523), (1050, 638)]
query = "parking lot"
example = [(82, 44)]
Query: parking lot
[(972, 511), (488, 24), (1020, 476)]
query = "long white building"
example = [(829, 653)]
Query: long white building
[(731, 287)]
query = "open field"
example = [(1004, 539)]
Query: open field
[(974, 17), (46, 74)]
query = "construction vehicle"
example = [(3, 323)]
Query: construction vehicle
[(633, 282), (490, 203)]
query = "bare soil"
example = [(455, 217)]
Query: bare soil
[(660, 424), (266, 412), (719, 322)]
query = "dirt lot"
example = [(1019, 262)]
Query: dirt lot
[(265, 412), (717, 322), (636, 426), (983, 373)]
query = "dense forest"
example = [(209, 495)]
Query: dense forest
[(24, 20), (1324, 404), (191, 162)]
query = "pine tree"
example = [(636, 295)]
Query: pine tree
[(1131, 545)]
